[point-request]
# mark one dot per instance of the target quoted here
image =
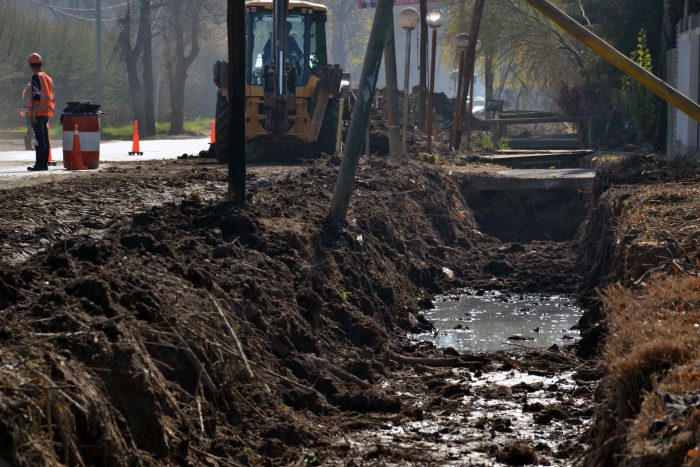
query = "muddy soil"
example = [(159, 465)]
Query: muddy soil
[(195, 332), (37, 213)]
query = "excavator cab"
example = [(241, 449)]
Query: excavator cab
[(292, 93), (306, 43)]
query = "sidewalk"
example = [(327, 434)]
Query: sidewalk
[(15, 163)]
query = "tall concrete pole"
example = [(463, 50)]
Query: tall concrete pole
[(361, 112), (236, 102), (619, 60), (422, 83), (392, 91), (98, 51)]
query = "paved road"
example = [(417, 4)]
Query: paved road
[(13, 164)]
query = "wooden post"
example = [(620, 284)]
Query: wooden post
[(471, 109), (471, 57), (406, 92), (423, 81), (392, 91), (236, 100), (458, 101), (361, 112)]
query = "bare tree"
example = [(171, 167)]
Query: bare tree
[(131, 54), (187, 22)]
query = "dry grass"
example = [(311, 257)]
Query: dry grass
[(653, 348), (660, 230)]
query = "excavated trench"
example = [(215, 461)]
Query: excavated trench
[(527, 215), (530, 402), (129, 325)]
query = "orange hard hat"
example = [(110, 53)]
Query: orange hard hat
[(35, 59)]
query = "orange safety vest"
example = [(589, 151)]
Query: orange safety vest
[(26, 100), (47, 104)]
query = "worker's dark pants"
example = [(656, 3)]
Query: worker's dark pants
[(41, 134)]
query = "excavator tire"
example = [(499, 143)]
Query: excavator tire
[(222, 129), (327, 137)]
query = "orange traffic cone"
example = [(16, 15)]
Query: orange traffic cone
[(136, 146), (213, 132), (76, 162), (50, 161)]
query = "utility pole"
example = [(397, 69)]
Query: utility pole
[(98, 51), (392, 91), (422, 85), (236, 100), (361, 112), (470, 62)]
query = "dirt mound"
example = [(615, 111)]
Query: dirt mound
[(200, 330)]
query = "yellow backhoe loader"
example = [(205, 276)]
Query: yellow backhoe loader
[(292, 94)]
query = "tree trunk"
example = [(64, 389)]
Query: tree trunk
[(181, 60), (360, 113), (131, 56), (149, 120)]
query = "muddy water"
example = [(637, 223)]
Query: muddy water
[(520, 407), (499, 409), (494, 320)]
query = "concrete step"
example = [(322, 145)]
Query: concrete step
[(538, 159), (533, 179)]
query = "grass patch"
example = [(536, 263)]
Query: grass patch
[(198, 127), (194, 128)]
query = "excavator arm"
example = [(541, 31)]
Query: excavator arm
[(280, 75)]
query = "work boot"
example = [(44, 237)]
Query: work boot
[(44, 159), (40, 161)]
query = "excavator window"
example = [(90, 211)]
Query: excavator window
[(306, 45)]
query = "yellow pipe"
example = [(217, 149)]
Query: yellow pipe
[(618, 60)]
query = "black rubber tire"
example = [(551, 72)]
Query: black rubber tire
[(327, 137), (222, 128)]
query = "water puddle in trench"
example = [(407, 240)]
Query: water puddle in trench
[(490, 321), (537, 401)]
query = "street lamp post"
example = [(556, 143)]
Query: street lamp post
[(435, 19), (461, 42), (408, 20)]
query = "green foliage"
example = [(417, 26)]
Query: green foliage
[(431, 158), (641, 104), (68, 48), (482, 142), (196, 127)]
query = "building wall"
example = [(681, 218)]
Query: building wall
[(687, 78)]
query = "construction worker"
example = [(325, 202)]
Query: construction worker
[(41, 108), (294, 54)]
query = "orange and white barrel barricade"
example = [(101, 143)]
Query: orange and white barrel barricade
[(89, 133)]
